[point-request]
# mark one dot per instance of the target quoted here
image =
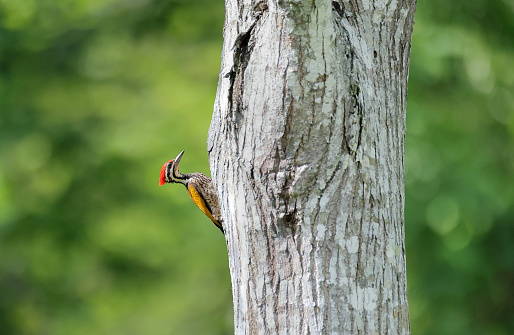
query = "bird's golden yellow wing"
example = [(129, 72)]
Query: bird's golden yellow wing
[(200, 202)]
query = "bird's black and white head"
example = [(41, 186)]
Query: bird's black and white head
[(170, 173)]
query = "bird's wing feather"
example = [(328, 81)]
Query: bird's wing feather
[(195, 190)]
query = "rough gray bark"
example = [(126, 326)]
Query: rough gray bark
[(306, 150)]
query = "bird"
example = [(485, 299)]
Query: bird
[(198, 186)]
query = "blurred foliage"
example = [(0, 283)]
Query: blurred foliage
[(460, 168), (96, 95)]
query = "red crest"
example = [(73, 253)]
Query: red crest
[(162, 178)]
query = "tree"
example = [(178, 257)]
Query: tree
[(306, 150)]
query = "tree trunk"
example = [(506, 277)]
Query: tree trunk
[(306, 150)]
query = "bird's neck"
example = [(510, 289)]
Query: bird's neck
[(180, 178)]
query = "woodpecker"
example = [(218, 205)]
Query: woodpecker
[(198, 186)]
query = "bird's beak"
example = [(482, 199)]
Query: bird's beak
[(177, 162)]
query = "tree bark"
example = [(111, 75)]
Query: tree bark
[(306, 150)]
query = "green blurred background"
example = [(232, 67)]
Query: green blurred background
[(96, 95)]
